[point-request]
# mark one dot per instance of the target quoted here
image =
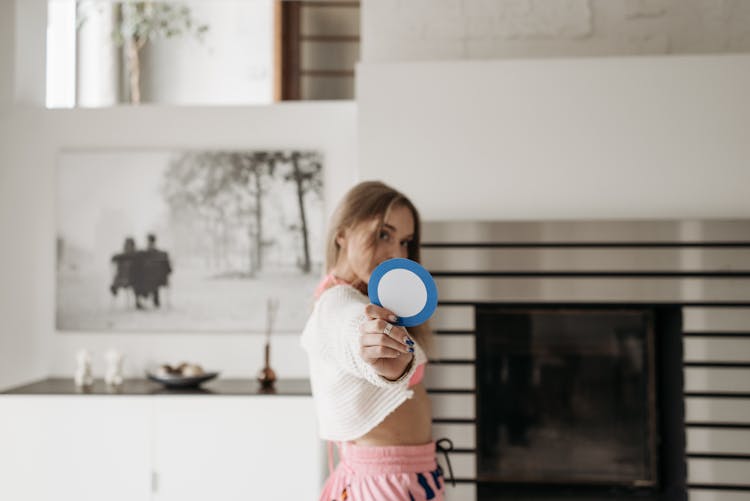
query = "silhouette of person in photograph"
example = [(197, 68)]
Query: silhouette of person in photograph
[(152, 269), (123, 267)]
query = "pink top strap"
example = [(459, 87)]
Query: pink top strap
[(328, 281), (417, 376)]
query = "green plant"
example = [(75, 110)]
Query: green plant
[(139, 23)]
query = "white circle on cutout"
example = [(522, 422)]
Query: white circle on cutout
[(402, 292)]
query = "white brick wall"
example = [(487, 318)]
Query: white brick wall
[(409, 30)]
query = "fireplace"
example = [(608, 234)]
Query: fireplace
[(569, 401), (592, 359)]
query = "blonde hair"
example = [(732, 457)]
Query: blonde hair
[(369, 202)]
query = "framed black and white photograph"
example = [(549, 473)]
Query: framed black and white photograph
[(186, 240)]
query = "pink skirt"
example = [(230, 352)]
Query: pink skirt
[(385, 473)]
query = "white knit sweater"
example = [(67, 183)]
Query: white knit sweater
[(350, 397)]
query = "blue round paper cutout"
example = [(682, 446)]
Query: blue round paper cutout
[(424, 276)]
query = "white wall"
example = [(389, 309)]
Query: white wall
[(29, 64), (235, 56), (31, 137), (584, 138), (528, 109), (23, 355), (414, 30), (27, 223), (7, 46)]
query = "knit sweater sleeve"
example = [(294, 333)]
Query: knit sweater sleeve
[(340, 314)]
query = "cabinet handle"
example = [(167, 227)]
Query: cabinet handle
[(154, 482)]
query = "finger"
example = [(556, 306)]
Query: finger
[(368, 340), (379, 326), (402, 335), (375, 311), (373, 326), (371, 353), (398, 333)]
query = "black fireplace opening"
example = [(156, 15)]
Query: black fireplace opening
[(579, 402)]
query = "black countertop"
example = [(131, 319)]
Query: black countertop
[(219, 386)]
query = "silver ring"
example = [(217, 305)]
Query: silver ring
[(387, 330)]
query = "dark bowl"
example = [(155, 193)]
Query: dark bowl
[(182, 382)]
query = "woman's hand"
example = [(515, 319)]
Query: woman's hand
[(387, 347)]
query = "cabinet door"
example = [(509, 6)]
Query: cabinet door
[(236, 448), (87, 447)]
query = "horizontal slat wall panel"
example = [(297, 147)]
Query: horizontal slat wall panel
[(648, 262), (331, 20), (463, 436), (460, 492), (334, 56), (715, 495), (317, 86), (542, 232), (708, 319), (616, 259), (453, 406), (718, 471), (453, 318), (708, 349), (449, 376), (711, 413), (699, 379), (718, 441), (717, 410), (464, 464), (629, 290), (453, 347)]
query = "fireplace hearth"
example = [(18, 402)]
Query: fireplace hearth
[(569, 401)]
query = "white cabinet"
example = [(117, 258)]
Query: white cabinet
[(233, 448), (160, 448), (74, 447)]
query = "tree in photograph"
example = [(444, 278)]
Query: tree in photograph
[(195, 185), (224, 187), (248, 170), (306, 175)]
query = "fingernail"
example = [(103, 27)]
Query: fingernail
[(393, 318), (411, 350), (408, 341)]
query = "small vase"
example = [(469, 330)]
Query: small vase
[(267, 376)]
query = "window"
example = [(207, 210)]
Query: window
[(320, 49), (199, 52)]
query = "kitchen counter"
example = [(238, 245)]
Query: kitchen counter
[(135, 386)]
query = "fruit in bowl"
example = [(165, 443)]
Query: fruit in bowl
[(192, 370), (183, 370), (183, 375)]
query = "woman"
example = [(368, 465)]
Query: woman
[(365, 371)]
